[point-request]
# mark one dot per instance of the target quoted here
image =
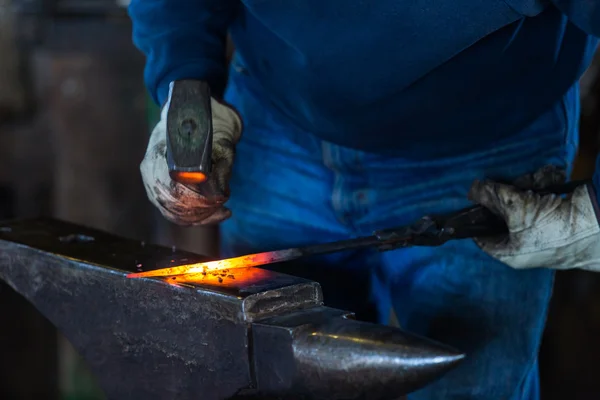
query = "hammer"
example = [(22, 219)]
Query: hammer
[(189, 131)]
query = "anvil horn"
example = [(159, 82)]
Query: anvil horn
[(224, 335)]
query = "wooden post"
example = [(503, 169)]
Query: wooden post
[(94, 108), (12, 93)]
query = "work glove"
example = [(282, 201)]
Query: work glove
[(201, 204), (545, 230)]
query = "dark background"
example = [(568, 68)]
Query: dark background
[(74, 124)]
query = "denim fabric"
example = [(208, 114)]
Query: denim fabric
[(289, 188)]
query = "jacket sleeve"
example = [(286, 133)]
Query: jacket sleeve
[(182, 39), (583, 13)]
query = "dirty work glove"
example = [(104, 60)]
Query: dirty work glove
[(198, 204), (545, 230)]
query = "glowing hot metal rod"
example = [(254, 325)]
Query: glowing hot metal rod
[(236, 334), (475, 221), (251, 260), (428, 231)]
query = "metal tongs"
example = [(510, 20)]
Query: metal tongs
[(472, 222)]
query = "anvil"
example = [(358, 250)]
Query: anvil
[(244, 333)]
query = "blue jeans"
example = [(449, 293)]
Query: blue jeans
[(290, 188)]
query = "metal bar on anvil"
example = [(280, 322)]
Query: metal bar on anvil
[(248, 332)]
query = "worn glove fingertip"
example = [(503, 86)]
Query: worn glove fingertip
[(174, 218), (474, 191), (482, 192), (222, 177), (217, 217), (481, 243)]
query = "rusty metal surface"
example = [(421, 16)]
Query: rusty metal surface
[(244, 332)]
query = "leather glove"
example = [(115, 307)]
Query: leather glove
[(544, 230), (199, 204)]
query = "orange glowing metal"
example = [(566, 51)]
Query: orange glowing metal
[(270, 257), (251, 260), (236, 278), (190, 178)]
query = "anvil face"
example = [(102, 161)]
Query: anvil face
[(227, 334)]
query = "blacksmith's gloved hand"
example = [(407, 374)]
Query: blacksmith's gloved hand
[(553, 231), (186, 204)]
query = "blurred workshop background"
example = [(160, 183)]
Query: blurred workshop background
[(74, 123)]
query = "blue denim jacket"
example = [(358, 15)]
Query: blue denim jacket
[(387, 76)]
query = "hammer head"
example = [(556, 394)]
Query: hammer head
[(189, 131)]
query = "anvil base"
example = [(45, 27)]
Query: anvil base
[(244, 332)]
